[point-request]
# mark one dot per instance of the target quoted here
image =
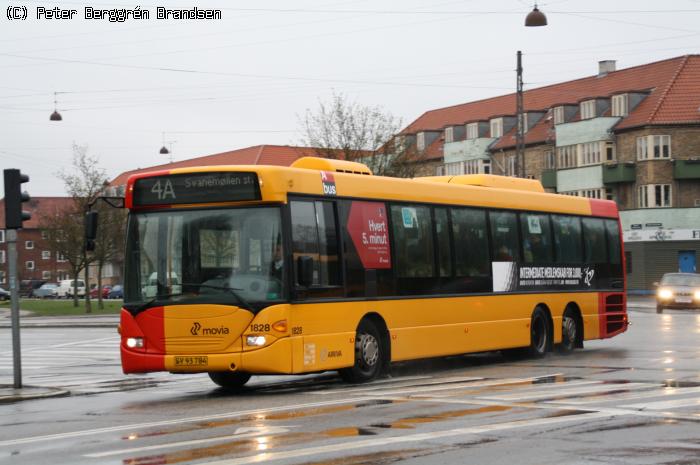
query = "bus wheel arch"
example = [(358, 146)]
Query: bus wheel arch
[(372, 350), (541, 331), (572, 328), (230, 380)]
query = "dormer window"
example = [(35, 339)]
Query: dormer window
[(420, 141), (558, 115), (449, 134), (472, 130), (619, 105), (588, 109), (497, 127)]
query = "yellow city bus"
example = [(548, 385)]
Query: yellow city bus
[(243, 270)]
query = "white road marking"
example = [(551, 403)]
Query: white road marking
[(135, 426), (475, 384), (569, 392), (661, 392), (241, 433), (379, 442), (667, 404)]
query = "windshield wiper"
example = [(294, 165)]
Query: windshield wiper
[(146, 305), (232, 290)]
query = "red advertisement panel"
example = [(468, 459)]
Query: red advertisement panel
[(369, 230)]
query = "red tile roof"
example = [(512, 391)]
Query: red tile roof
[(40, 208), (282, 155), (674, 86), (542, 131)]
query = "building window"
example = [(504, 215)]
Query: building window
[(654, 196), (454, 169), (44, 234), (558, 115), (486, 164), (653, 147), (45, 275), (60, 258), (2, 236), (2, 256), (587, 109), (45, 255), (610, 154), (471, 167), (449, 134), (29, 265), (510, 166), (420, 141), (497, 127), (566, 156), (549, 160), (619, 105), (472, 130), (590, 153), (2, 277), (28, 245)]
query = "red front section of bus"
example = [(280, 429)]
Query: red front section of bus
[(148, 358)]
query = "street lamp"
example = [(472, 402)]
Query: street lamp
[(55, 116), (535, 18)]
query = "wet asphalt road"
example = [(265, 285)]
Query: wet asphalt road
[(634, 399)]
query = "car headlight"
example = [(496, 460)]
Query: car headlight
[(665, 293), (697, 295)]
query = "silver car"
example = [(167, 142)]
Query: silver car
[(46, 291), (678, 290)]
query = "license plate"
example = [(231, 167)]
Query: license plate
[(193, 361), (683, 300)]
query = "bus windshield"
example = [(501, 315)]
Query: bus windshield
[(225, 256)]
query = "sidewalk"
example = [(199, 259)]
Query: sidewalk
[(9, 394), (72, 321)]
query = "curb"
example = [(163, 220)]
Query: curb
[(9, 394)]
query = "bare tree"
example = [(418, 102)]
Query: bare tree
[(347, 130), (65, 232), (109, 242)]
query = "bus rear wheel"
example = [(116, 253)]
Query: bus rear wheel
[(570, 332), (539, 333), (231, 380), (369, 354)]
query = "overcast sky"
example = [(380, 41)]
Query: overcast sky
[(218, 85)]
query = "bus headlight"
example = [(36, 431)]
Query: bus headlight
[(665, 293), (134, 342), (255, 341)]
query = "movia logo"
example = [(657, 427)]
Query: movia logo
[(196, 328), (328, 181)]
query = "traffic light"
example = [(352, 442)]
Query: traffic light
[(14, 216)]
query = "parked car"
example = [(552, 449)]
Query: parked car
[(4, 295), (117, 292), (27, 286), (46, 291), (678, 290), (65, 288), (105, 292)]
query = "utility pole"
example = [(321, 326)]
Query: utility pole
[(520, 131)]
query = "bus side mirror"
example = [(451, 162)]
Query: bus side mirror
[(305, 270), (90, 230)]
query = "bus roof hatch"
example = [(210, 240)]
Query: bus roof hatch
[(326, 164), (490, 180)]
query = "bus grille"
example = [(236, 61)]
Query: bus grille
[(192, 345), (614, 319)]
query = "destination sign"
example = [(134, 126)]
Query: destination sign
[(223, 186)]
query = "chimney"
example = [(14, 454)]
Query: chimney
[(605, 67)]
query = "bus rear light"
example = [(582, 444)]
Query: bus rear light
[(255, 341), (280, 326), (134, 342)]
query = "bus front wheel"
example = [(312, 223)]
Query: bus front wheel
[(539, 333), (232, 380), (369, 354)]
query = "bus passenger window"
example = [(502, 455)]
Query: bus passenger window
[(413, 239), (594, 241), (537, 241), (471, 242), (443, 242), (613, 231), (504, 236), (314, 235), (567, 239)]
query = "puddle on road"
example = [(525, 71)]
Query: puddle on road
[(626, 425), (410, 422)]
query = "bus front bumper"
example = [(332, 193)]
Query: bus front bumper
[(273, 359)]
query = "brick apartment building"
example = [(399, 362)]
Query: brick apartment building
[(34, 261), (630, 135)]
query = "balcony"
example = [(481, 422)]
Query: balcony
[(686, 169), (549, 179), (619, 172)]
